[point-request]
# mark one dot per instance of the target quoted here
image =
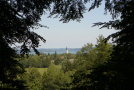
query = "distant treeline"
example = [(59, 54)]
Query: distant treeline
[(44, 60)]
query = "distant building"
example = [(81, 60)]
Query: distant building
[(66, 50)]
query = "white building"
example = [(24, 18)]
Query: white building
[(66, 50)]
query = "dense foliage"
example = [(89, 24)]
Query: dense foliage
[(119, 70), (33, 79), (17, 18), (44, 60), (72, 70), (90, 57), (55, 79)]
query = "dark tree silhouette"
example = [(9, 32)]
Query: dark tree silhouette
[(118, 72), (17, 18)]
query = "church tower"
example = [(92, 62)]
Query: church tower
[(66, 50)]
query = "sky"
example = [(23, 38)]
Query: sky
[(73, 34)]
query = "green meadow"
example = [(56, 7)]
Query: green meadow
[(42, 70)]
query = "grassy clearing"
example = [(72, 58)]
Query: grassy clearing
[(42, 70)]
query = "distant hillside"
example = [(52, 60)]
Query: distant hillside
[(58, 50)]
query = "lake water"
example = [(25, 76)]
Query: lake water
[(58, 50)]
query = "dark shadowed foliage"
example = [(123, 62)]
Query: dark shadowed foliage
[(17, 18), (118, 72)]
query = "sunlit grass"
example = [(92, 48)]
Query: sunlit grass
[(42, 70)]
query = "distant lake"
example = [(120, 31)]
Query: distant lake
[(58, 50)]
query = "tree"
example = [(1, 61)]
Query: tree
[(16, 19), (67, 65), (33, 79), (94, 55), (11, 69), (119, 70), (16, 22), (103, 51), (46, 62), (54, 79), (91, 58)]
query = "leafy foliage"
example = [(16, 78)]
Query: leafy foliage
[(119, 70), (33, 79), (41, 61), (44, 60), (54, 79), (11, 69), (90, 59), (16, 19)]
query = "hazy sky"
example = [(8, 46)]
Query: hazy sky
[(73, 34)]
